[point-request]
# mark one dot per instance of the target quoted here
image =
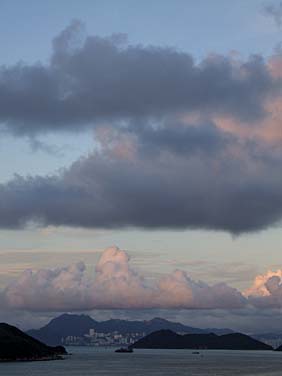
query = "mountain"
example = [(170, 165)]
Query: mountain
[(273, 339), (125, 326), (167, 339), (267, 335), (16, 345), (218, 331), (78, 325), (63, 326)]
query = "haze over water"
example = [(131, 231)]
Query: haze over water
[(86, 361)]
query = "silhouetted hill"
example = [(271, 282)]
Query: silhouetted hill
[(126, 326), (16, 345), (167, 339), (78, 325), (273, 339), (63, 326)]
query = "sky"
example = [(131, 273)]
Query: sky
[(141, 161)]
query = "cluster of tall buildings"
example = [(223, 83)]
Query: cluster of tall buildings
[(93, 338)]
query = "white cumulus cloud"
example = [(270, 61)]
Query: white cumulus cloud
[(115, 285)]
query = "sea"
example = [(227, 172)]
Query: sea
[(90, 361)]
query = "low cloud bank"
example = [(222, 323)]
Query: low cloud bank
[(116, 285)]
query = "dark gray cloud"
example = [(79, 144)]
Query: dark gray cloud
[(234, 187), (274, 11), (163, 161), (181, 139), (89, 79)]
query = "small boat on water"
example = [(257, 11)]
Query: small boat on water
[(124, 350), (195, 352)]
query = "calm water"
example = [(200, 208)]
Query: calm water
[(96, 362)]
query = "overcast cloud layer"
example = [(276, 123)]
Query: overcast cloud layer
[(90, 79), (213, 182), (178, 144), (116, 285)]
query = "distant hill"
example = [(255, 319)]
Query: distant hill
[(63, 326), (78, 325), (167, 339), (16, 345), (273, 339), (267, 335)]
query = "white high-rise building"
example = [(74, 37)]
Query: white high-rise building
[(92, 332)]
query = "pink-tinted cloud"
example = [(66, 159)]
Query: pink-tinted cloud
[(114, 285), (266, 128), (266, 291), (259, 287)]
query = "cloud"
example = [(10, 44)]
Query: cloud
[(275, 12), (148, 182), (177, 144), (115, 285), (266, 291), (178, 290), (90, 79)]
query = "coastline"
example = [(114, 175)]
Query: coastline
[(35, 359)]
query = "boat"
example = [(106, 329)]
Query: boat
[(124, 350), (195, 352)]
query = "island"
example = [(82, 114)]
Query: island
[(15, 345), (167, 339)]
